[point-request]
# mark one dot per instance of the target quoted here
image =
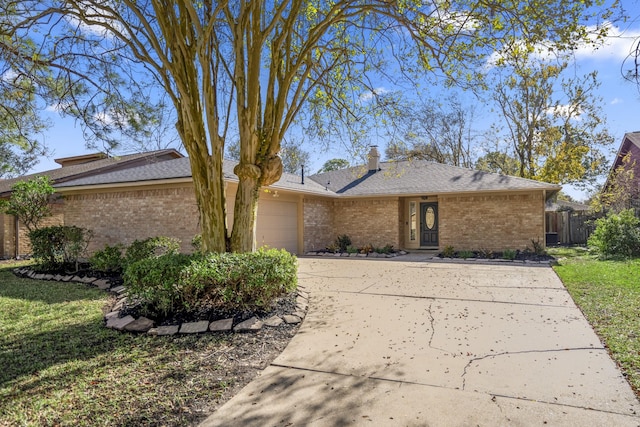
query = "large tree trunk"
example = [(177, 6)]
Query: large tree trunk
[(208, 180), (209, 188), (246, 208), (251, 179)]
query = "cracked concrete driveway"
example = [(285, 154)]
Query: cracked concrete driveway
[(414, 343)]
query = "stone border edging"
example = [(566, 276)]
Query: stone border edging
[(144, 325)]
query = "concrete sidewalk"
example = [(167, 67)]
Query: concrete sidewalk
[(409, 343)]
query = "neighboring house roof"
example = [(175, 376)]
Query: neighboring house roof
[(93, 167), (630, 143), (181, 169), (420, 177), (564, 205), (393, 178)]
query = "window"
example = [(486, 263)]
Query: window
[(412, 221)]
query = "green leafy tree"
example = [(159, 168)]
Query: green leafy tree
[(21, 126), (334, 165), (253, 68), (498, 162), (553, 139), (29, 201)]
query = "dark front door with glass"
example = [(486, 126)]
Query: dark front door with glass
[(428, 224)]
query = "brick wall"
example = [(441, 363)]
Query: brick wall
[(317, 223), (8, 231), (496, 222), (370, 221), (124, 216)]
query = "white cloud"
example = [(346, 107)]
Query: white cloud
[(617, 45), (99, 15), (566, 111), (368, 95), (8, 75), (616, 101)]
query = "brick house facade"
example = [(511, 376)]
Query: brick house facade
[(385, 205)]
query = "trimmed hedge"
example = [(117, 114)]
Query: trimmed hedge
[(109, 259), (176, 283), (150, 248)]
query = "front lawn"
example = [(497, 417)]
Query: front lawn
[(59, 365), (608, 293)]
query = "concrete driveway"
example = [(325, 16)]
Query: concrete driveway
[(406, 342)]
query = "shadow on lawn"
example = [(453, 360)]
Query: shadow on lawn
[(38, 350), (49, 292)]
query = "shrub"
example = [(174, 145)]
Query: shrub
[(174, 283), (465, 254), (617, 235), (155, 282), (536, 247), (342, 242), (352, 250), (152, 247), (448, 252), (333, 248), (485, 253), (59, 246), (110, 259), (509, 254), (366, 249), (196, 243)]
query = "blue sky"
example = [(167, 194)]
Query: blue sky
[(620, 101)]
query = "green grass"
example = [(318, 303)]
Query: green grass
[(608, 293), (59, 365)]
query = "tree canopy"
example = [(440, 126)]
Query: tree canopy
[(334, 165), (253, 68)]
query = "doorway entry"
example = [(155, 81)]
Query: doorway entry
[(429, 224)]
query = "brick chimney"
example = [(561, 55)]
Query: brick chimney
[(374, 159)]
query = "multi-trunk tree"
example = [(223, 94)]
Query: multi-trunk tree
[(250, 68)]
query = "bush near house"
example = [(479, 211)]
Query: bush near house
[(177, 283), (150, 248), (59, 247), (109, 260), (617, 235)]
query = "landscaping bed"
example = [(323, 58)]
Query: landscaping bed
[(59, 365)]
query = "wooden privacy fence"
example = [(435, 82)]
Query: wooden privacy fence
[(569, 227)]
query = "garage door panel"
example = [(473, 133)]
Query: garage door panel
[(277, 225)]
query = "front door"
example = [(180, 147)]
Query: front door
[(428, 224)]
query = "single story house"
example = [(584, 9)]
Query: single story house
[(14, 241), (410, 205)]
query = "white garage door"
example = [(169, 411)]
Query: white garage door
[(277, 225)]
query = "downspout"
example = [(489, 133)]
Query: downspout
[(17, 237)]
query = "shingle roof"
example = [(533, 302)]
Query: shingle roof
[(66, 173), (394, 178), (629, 139), (421, 177), (180, 168)]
